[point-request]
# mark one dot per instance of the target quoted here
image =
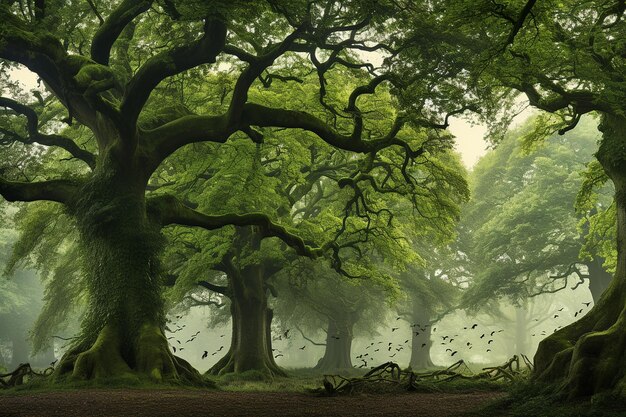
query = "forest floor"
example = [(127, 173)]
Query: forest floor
[(181, 403)]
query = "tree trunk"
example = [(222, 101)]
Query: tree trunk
[(122, 331), (338, 345), (251, 343), (421, 343), (588, 356), (599, 279), (521, 330), (20, 349)]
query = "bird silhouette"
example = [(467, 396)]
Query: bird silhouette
[(488, 350), (556, 315), (302, 348), (561, 309), (474, 326), (205, 354), (280, 354), (393, 329), (174, 349), (483, 335), (220, 349), (489, 342), (393, 355), (454, 353), (587, 304), (492, 333)]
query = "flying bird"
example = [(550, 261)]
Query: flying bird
[(474, 325), (454, 353), (393, 329), (205, 354), (302, 348), (587, 304)]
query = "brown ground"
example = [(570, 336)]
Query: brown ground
[(182, 403)]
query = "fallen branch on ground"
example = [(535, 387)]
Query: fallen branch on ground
[(390, 374), (22, 372)]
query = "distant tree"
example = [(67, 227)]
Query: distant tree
[(525, 235)]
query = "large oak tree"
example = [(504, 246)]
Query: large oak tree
[(101, 65)]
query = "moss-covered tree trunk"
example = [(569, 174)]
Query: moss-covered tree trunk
[(589, 356), (251, 342), (421, 332), (122, 331), (338, 344), (599, 279)]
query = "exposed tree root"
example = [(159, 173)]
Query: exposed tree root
[(107, 358), (389, 374), (228, 364), (22, 374), (588, 356)]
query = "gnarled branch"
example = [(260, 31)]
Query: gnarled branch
[(169, 210), (48, 140), (61, 191), (113, 26)]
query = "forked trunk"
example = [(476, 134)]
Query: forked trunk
[(599, 279), (589, 356)]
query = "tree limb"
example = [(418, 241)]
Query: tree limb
[(48, 140), (113, 26), (215, 288), (61, 191), (168, 63), (169, 210)]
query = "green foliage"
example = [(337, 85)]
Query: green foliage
[(521, 220)]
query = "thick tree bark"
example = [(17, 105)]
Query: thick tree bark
[(251, 343), (122, 332), (421, 332), (589, 356), (338, 344)]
